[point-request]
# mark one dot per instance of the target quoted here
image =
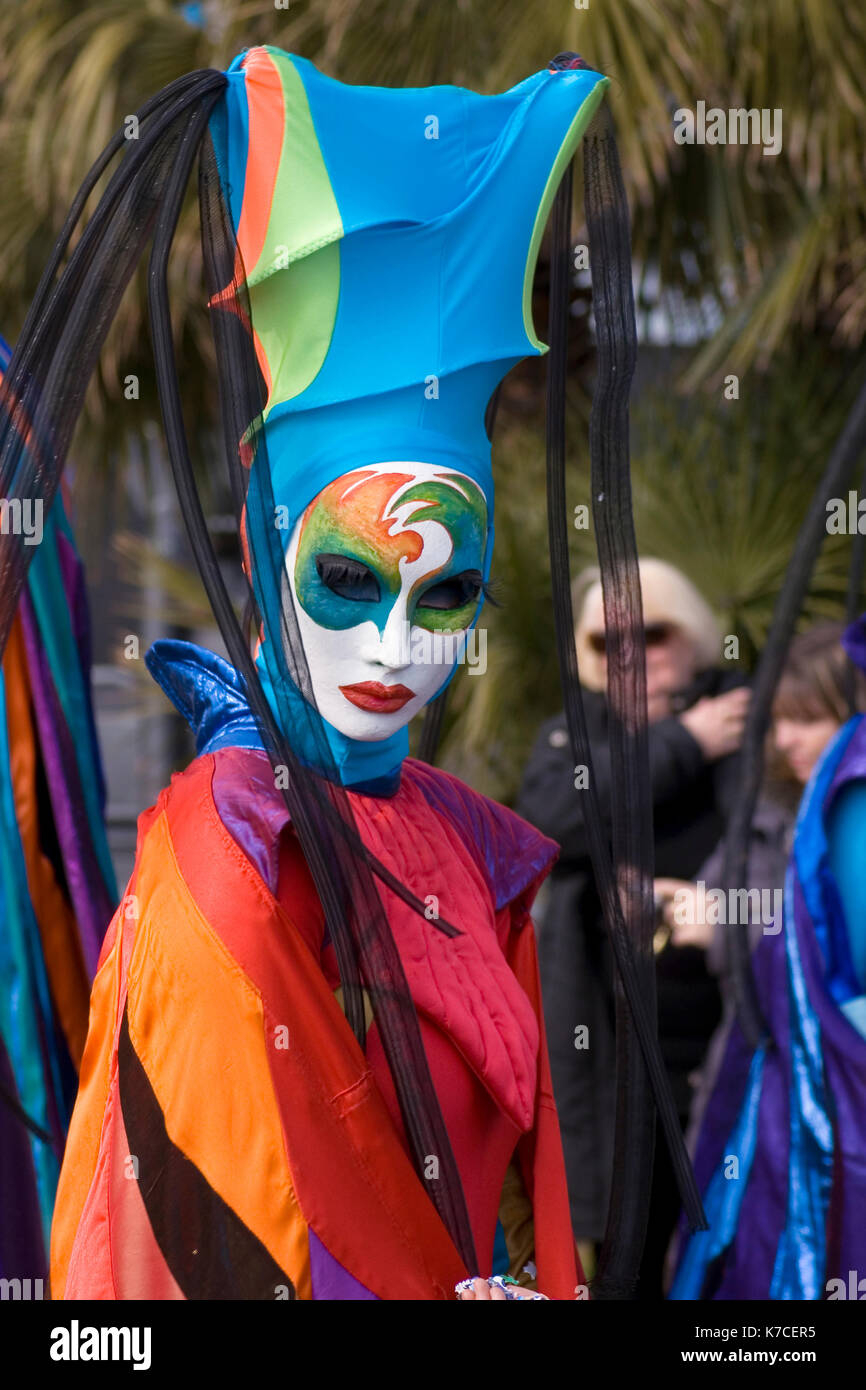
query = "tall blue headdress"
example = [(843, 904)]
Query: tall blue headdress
[(389, 240)]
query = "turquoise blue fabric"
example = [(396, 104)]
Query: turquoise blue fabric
[(801, 1253), (821, 889), (42, 1077), (724, 1196), (230, 132), (25, 999), (846, 837), (501, 1261)]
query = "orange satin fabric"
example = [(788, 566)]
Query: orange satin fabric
[(64, 961)]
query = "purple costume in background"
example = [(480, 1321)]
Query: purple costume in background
[(781, 1154)]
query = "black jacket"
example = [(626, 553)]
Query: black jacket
[(690, 800)]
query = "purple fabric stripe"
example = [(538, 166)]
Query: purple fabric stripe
[(244, 795), (76, 598), (90, 901), (71, 570), (749, 1265), (515, 853), (330, 1279)]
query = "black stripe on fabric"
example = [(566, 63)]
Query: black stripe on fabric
[(209, 1250)]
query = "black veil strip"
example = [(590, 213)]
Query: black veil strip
[(8, 1097), (845, 453), (431, 731), (626, 897), (183, 87)]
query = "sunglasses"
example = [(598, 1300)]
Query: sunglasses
[(654, 634)]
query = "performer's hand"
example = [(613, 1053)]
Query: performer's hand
[(481, 1289)]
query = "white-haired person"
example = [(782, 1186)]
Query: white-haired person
[(697, 705)]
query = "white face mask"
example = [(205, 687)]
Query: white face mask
[(384, 564)]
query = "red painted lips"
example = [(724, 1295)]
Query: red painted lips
[(378, 699)]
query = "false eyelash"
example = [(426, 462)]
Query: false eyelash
[(490, 589), (483, 588), (348, 578), (341, 569)]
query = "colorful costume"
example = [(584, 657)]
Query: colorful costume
[(222, 945), (57, 888), (780, 1152)]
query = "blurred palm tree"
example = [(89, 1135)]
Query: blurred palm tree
[(777, 243), (791, 228), (720, 489)]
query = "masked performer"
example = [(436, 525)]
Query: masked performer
[(780, 1153), (316, 1066)]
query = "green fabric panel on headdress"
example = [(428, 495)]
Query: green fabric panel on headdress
[(294, 319), (576, 132), (431, 202)]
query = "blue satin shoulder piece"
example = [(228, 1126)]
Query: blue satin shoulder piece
[(207, 691)]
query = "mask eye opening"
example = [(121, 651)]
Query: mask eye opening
[(455, 592), (347, 577)]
